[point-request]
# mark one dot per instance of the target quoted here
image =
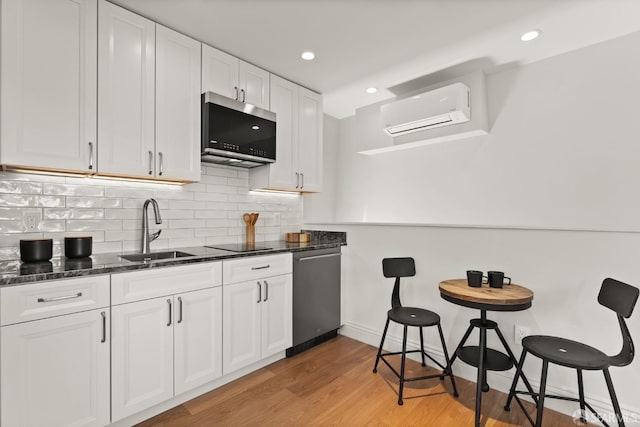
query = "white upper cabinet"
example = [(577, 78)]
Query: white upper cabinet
[(228, 76), (48, 84), (219, 72), (177, 106), (310, 141), (254, 85), (126, 92), (298, 165)]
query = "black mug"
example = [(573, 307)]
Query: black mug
[(497, 278), (474, 278)]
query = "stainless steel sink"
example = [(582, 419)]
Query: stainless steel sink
[(152, 256)]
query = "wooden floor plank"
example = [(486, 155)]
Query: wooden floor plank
[(333, 385)]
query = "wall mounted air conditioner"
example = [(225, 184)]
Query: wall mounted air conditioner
[(444, 106)]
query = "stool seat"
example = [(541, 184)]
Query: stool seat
[(564, 352), (413, 316)]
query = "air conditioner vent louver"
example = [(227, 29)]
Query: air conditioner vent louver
[(444, 106)]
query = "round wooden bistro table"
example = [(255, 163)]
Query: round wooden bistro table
[(508, 298)]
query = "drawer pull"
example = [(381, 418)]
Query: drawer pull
[(180, 309), (170, 309), (261, 267), (78, 295)]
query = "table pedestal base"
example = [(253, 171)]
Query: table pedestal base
[(485, 358)]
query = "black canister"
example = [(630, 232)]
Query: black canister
[(36, 250), (78, 247)]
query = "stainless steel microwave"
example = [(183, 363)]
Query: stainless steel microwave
[(235, 133)]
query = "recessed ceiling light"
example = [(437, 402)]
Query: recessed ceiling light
[(372, 89), (308, 55), (255, 127), (530, 35)]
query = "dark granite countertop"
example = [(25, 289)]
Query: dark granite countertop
[(15, 272)]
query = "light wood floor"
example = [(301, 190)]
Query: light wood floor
[(333, 385)]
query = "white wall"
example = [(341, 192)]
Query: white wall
[(561, 155)]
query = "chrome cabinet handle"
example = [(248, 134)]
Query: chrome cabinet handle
[(170, 321), (78, 295), (266, 291), (301, 180), (235, 88), (104, 327), (160, 158), (259, 292), (262, 267), (244, 95), (180, 309), (150, 162), (297, 180), (90, 155)]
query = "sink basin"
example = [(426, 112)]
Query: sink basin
[(155, 256)]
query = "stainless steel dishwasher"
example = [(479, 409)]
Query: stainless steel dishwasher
[(316, 297)]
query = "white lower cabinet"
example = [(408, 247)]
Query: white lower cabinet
[(164, 346), (257, 320), (142, 356), (198, 338), (55, 371)]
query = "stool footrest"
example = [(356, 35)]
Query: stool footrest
[(494, 360), (445, 372), (551, 396)]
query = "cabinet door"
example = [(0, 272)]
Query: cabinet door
[(55, 371), (48, 84), (254, 85), (281, 175), (310, 144), (219, 72), (277, 314), (141, 356), (177, 106), (241, 325), (198, 338), (126, 91)]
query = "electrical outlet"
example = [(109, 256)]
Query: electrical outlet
[(31, 220), (520, 332)]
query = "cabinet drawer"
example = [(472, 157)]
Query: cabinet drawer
[(53, 298), (157, 282), (240, 270)]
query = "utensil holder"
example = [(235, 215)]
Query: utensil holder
[(251, 234)]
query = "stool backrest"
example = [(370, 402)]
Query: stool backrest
[(618, 296), (398, 267), (622, 299)]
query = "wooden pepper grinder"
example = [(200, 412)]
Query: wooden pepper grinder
[(250, 220)]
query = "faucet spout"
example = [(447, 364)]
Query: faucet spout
[(146, 237)]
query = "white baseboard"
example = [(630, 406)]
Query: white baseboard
[(497, 380)]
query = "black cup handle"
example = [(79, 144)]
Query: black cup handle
[(509, 280)]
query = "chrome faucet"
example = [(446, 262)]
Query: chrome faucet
[(146, 237)]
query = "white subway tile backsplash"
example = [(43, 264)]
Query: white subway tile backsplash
[(73, 213), (19, 187), (93, 224), (72, 190), (208, 212), (93, 202), (187, 204)]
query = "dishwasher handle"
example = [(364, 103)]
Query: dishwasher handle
[(307, 258)]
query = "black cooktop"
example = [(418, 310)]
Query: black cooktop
[(240, 247)]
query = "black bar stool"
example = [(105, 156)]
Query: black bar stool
[(410, 316), (614, 295)]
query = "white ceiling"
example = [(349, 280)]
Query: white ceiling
[(384, 43)]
